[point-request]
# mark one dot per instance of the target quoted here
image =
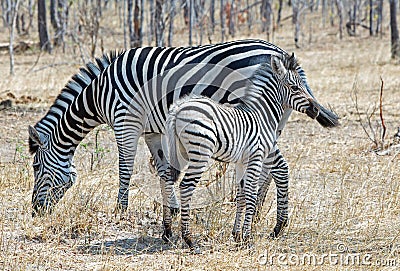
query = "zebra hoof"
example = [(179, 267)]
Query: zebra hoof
[(189, 242), (237, 236), (195, 250), (120, 209), (174, 211), (278, 229), (167, 235)]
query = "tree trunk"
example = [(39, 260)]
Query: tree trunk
[(130, 23), (371, 17), (14, 12), (394, 30), (137, 26), (141, 22), (190, 6), (266, 16), (42, 27), (222, 16), (378, 28), (212, 15), (53, 14), (59, 19), (171, 23), (232, 19), (159, 22), (339, 6), (296, 22), (278, 20), (152, 26)]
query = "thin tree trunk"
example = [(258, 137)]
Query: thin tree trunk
[(296, 22), (130, 23), (124, 25), (190, 6), (212, 15), (394, 30), (137, 25), (232, 19), (339, 6), (42, 27), (266, 11), (159, 22), (152, 27), (14, 12), (371, 17), (379, 9), (53, 14), (141, 22), (171, 22), (60, 22), (278, 20), (222, 17)]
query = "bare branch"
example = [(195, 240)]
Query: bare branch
[(381, 113)]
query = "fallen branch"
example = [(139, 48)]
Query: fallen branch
[(381, 114)]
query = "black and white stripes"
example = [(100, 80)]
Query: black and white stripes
[(132, 91), (199, 129)]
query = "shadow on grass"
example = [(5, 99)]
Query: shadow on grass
[(127, 246)]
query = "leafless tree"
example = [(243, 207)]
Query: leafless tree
[(42, 27), (171, 22), (159, 22), (59, 20), (9, 19), (394, 30), (222, 18), (266, 14)]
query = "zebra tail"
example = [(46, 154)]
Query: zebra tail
[(174, 168)]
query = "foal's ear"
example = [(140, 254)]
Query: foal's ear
[(34, 135), (277, 67)]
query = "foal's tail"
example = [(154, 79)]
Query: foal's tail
[(172, 137)]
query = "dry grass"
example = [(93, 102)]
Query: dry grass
[(340, 191)]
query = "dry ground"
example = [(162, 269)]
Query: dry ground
[(344, 199)]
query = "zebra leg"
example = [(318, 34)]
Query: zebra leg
[(127, 136), (263, 185), (169, 200), (240, 204), (280, 174), (187, 186), (250, 180), (265, 179)]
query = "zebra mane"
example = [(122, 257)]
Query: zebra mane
[(290, 62), (264, 73), (75, 86)]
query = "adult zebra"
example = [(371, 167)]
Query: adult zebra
[(132, 92), (199, 129)]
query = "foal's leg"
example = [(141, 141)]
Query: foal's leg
[(169, 199), (240, 203), (250, 180)]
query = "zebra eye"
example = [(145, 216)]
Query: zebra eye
[(295, 88), (36, 167)]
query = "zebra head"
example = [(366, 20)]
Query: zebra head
[(292, 87), (53, 175)]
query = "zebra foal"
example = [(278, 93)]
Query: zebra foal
[(198, 129)]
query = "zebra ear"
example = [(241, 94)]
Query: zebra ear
[(277, 67), (35, 137)]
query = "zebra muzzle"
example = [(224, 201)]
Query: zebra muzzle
[(313, 110)]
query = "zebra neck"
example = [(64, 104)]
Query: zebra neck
[(67, 129), (268, 108)]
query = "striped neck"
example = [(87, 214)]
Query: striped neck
[(73, 114)]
